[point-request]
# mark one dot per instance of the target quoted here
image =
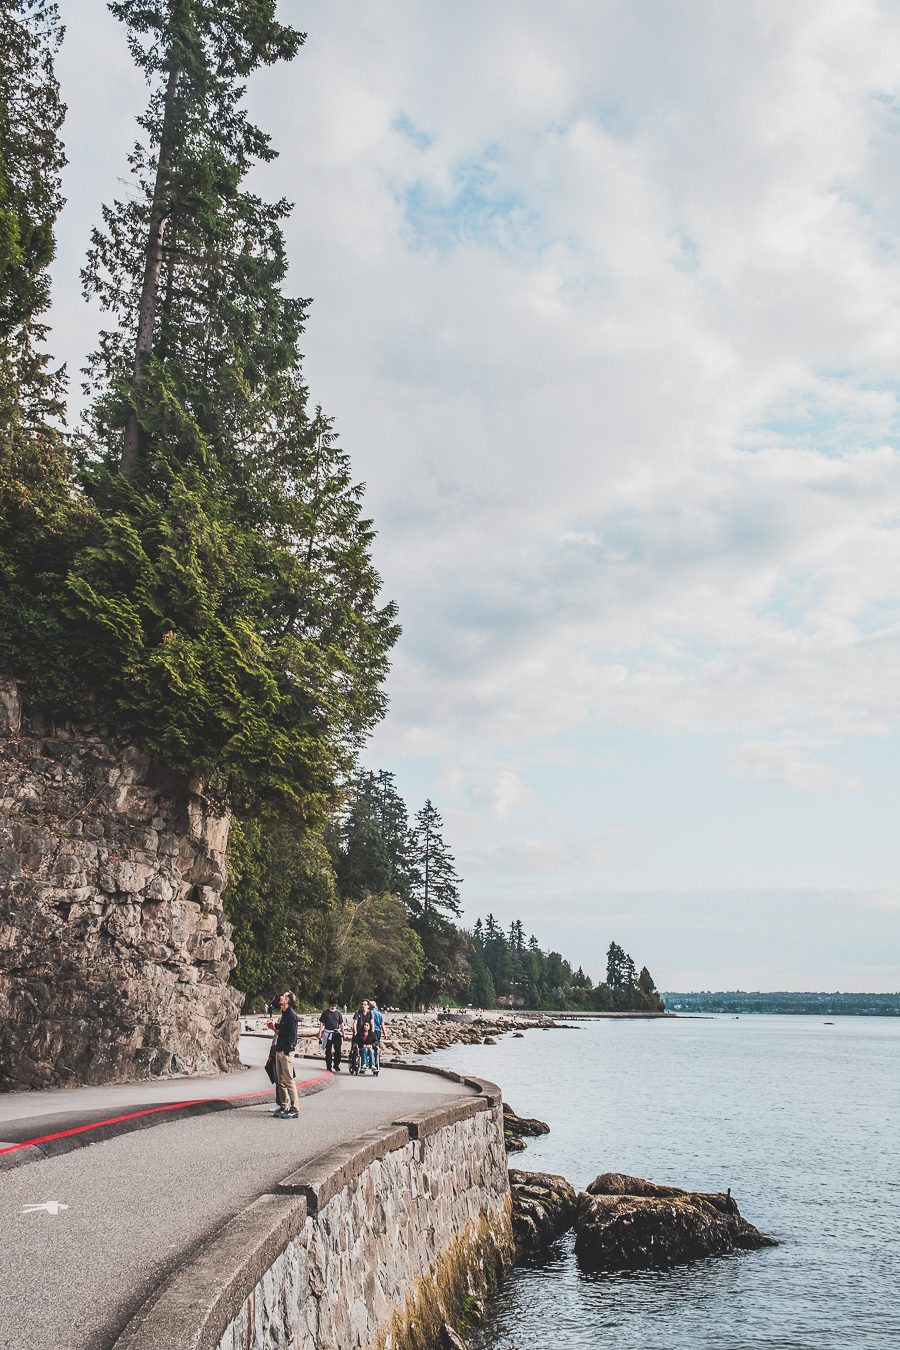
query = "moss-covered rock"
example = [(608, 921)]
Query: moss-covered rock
[(543, 1207)]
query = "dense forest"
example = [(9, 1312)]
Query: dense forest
[(374, 907), (191, 564)]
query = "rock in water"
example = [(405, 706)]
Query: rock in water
[(514, 1127), (624, 1223), (543, 1207)]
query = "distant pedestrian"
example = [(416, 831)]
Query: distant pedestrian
[(377, 1027), (331, 1035), (285, 1045)]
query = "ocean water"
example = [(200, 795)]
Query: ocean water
[(798, 1117)]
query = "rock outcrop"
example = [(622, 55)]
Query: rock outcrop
[(514, 1127), (543, 1208), (114, 949), (624, 1223)]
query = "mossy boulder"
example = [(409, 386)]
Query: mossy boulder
[(625, 1223), (543, 1208)]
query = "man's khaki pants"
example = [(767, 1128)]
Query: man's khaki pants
[(289, 1099)]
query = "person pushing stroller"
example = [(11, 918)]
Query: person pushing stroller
[(364, 1043), (331, 1024)]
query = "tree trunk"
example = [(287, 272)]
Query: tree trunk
[(131, 448)]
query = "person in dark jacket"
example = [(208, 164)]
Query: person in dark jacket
[(285, 1045), (331, 1034)]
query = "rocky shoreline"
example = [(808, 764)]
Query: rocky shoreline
[(422, 1033), (621, 1223)]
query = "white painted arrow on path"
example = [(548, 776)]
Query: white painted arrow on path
[(50, 1206)]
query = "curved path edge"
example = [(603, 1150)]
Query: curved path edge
[(195, 1307), (52, 1145)]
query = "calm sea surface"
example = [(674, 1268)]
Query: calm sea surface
[(799, 1118)]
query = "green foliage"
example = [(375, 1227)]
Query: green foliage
[(377, 952), (31, 160), (214, 593), (371, 838), (281, 897), (40, 520), (519, 972)]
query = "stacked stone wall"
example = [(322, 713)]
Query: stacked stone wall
[(114, 949), (377, 1245)]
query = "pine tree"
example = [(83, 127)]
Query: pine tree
[(192, 264), (361, 860), (615, 961), (435, 884), (394, 820), (496, 954)]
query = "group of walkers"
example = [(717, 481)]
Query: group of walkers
[(365, 1043)]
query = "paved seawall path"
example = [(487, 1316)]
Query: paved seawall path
[(128, 1210)]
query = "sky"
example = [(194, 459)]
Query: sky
[(607, 313)]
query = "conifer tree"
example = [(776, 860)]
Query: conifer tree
[(394, 821), (361, 860), (435, 884)]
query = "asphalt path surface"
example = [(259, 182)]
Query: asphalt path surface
[(138, 1204), (59, 1107)]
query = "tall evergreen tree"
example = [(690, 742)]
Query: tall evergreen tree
[(615, 966), (192, 263), (361, 861), (394, 820), (435, 884)]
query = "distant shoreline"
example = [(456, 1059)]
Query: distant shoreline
[(811, 1003)]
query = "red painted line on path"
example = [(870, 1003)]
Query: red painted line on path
[(149, 1111)]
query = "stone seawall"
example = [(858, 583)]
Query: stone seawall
[(375, 1245), (115, 952)]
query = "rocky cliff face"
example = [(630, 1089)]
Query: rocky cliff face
[(114, 949)]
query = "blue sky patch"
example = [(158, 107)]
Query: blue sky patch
[(475, 209), (411, 132)]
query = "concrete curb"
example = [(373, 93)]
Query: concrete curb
[(55, 1144), (426, 1123), (319, 1179), (192, 1310)]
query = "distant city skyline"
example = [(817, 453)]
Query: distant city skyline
[(607, 312)]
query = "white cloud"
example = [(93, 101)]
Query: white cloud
[(607, 309), (792, 764)]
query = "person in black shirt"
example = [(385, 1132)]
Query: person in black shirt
[(285, 1045), (331, 1035)]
